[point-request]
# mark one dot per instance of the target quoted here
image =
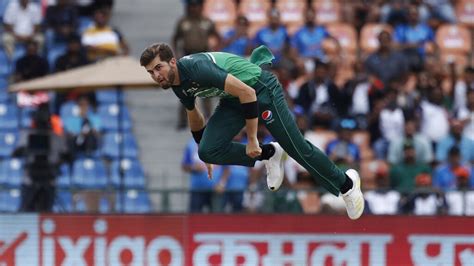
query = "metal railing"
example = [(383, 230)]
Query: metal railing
[(178, 201)]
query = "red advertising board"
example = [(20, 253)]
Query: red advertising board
[(235, 240)]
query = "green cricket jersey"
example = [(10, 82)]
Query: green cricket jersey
[(203, 75)]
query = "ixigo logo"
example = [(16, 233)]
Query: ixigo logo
[(118, 249)]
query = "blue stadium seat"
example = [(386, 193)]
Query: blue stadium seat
[(11, 172), (89, 173), (135, 201), (108, 96), (8, 117), (4, 97), (108, 114), (10, 200), (63, 202), (134, 176), (5, 66), (26, 114), (8, 142), (64, 178), (68, 109), (111, 145)]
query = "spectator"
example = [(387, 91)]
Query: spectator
[(358, 89), (434, 116), (101, 40), (424, 200), (237, 41), (318, 97), (343, 151), (402, 175), (382, 200), (440, 10), (44, 151), (73, 57), (201, 187), (455, 138), (423, 147), (84, 129), (62, 19), (394, 12), (274, 36), (307, 41), (31, 65), (331, 204), (87, 7), (462, 88), (22, 21), (233, 183), (193, 30), (386, 64), (253, 197), (391, 123), (466, 115), (192, 34), (453, 174), (413, 37)]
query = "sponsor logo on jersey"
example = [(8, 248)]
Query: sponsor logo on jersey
[(267, 115)]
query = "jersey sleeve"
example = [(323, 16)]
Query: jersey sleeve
[(208, 74), (187, 101)]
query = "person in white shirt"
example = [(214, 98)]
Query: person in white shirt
[(462, 87), (466, 115), (382, 200), (423, 147), (391, 124), (434, 117), (22, 21)]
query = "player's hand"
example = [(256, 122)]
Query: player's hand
[(253, 149), (209, 170)]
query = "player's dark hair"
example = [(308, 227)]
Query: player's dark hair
[(163, 50)]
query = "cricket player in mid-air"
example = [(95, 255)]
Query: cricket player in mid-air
[(247, 94)]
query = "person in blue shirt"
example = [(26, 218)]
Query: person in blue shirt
[(307, 41), (201, 187), (274, 36), (453, 174), (83, 130), (455, 138), (237, 41), (413, 37), (233, 182), (343, 151)]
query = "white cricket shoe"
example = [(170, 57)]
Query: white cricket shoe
[(353, 198), (274, 167)]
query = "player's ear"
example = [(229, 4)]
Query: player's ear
[(172, 61)]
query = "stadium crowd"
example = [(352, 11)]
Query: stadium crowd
[(386, 87)]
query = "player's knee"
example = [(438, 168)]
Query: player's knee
[(206, 155)]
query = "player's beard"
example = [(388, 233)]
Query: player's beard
[(171, 76)]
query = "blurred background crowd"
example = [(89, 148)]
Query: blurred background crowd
[(385, 87)]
